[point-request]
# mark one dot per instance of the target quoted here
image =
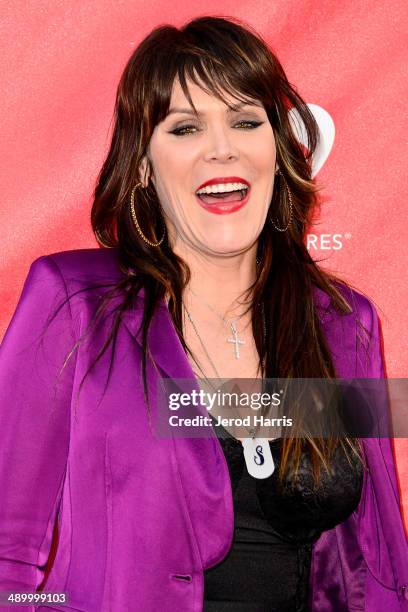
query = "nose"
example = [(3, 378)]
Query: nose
[(220, 146)]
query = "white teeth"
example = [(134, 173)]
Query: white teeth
[(222, 187)]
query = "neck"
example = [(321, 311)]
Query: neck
[(220, 281)]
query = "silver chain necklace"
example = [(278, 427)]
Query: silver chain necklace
[(233, 330), (257, 452), (235, 339), (205, 348)]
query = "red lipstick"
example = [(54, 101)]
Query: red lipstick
[(224, 207)]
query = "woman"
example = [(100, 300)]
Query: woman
[(95, 505)]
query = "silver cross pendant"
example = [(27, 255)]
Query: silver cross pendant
[(235, 340)]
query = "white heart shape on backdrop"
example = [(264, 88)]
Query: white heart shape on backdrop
[(326, 134)]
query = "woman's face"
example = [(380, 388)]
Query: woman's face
[(186, 151)]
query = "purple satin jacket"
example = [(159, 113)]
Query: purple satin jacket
[(139, 517)]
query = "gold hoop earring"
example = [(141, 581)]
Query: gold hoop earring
[(132, 210), (290, 197)]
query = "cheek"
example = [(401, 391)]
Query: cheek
[(265, 154), (174, 160), (178, 208)]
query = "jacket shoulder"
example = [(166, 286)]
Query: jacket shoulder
[(79, 278), (86, 264), (362, 308)]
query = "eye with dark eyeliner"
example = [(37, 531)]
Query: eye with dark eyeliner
[(180, 130)]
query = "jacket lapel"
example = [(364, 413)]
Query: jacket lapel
[(199, 461), (164, 343)]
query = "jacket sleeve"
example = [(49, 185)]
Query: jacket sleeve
[(371, 364), (35, 398), (385, 487)]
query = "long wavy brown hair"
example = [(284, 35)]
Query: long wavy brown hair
[(223, 54)]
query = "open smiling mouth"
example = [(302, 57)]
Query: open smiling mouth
[(223, 202), (223, 196)]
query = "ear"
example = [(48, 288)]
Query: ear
[(145, 171)]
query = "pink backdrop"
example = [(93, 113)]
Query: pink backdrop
[(61, 62)]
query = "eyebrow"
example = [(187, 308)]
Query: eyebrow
[(233, 108)]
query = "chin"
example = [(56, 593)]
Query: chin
[(229, 248)]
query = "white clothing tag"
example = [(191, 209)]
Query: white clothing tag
[(258, 457)]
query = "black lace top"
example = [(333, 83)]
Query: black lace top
[(267, 567)]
